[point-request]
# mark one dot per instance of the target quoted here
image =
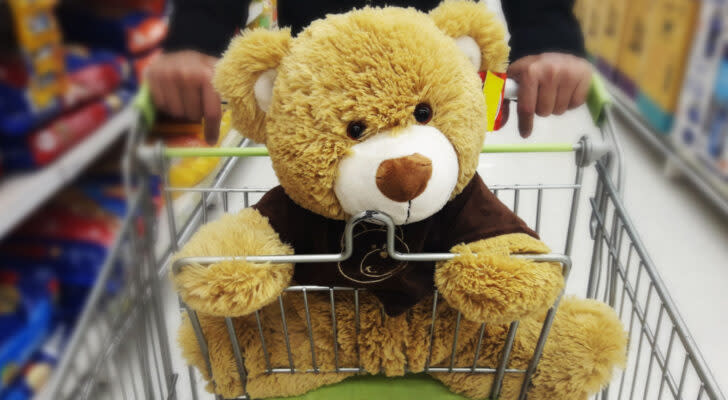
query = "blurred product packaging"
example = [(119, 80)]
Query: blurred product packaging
[(701, 126), (66, 68), (669, 60), (642, 47), (50, 263)]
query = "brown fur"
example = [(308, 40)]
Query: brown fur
[(375, 66)]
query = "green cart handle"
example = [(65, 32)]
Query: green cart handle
[(143, 102), (174, 152), (597, 101)]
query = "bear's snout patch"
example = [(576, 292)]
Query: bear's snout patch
[(408, 175), (404, 178)]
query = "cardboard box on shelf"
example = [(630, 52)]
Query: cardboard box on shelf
[(581, 8), (711, 144), (611, 37), (632, 47), (669, 34), (593, 25), (695, 100)]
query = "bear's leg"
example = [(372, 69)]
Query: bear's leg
[(259, 384), (227, 382), (586, 343)]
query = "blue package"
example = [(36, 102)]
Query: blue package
[(131, 34), (39, 367), (28, 298), (91, 74)]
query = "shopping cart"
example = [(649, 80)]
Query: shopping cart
[(139, 362)]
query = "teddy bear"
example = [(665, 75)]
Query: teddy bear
[(380, 109)]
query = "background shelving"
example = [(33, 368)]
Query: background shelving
[(23, 193)]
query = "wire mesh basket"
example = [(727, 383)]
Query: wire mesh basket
[(135, 358)]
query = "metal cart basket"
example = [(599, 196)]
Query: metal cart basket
[(135, 359)]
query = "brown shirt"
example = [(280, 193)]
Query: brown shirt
[(474, 214)]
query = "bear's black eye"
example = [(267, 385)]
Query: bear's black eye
[(356, 129), (423, 113)]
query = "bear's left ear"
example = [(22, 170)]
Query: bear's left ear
[(245, 76), (477, 32)]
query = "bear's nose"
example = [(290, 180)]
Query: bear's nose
[(402, 179)]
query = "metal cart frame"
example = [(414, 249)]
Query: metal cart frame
[(664, 361)]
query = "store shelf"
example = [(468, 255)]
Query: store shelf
[(21, 194), (707, 185)]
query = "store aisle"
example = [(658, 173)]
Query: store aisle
[(688, 240), (685, 236)]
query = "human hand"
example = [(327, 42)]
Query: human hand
[(181, 85), (548, 83)]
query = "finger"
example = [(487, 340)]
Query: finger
[(172, 95), (212, 111), (580, 93), (210, 62), (192, 97), (157, 93), (564, 93), (547, 86), (527, 95), (520, 66)]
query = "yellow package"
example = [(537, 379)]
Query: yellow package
[(49, 60), (36, 30), (190, 171), (580, 10), (593, 28), (633, 44), (262, 14), (45, 91), (613, 31), (669, 36)]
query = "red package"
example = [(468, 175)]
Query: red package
[(63, 133), (13, 72), (91, 82), (145, 36)]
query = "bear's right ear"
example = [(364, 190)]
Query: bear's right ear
[(245, 76)]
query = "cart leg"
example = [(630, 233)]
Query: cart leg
[(193, 382)]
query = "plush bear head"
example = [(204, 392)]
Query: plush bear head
[(374, 109)]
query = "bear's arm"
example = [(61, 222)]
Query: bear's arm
[(233, 288), (488, 285), (484, 281)]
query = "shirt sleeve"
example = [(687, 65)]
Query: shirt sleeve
[(539, 26), (204, 25)]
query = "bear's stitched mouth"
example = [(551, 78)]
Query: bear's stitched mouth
[(409, 207)]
